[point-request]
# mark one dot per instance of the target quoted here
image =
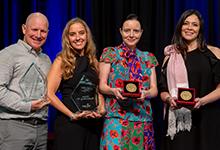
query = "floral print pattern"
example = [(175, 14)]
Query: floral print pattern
[(128, 129), (121, 134), (126, 65)]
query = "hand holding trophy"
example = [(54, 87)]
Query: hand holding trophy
[(34, 87), (84, 95), (130, 90), (39, 103)]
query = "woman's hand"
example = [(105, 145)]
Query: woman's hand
[(79, 115), (117, 93), (95, 114), (101, 110), (144, 94), (199, 103), (90, 114), (172, 102)]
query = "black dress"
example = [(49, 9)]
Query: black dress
[(203, 70), (82, 134)]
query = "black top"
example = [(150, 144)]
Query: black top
[(67, 86), (203, 70)]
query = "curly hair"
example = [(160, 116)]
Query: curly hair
[(68, 53)]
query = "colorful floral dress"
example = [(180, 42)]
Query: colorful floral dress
[(129, 128)]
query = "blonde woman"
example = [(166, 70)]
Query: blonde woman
[(78, 130)]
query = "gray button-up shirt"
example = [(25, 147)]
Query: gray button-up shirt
[(22, 80)]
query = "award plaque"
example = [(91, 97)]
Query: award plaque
[(131, 89), (33, 83), (186, 96), (84, 95)]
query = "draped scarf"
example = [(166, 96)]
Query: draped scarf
[(179, 119), (132, 62)]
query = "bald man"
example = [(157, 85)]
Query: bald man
[(23, 100)]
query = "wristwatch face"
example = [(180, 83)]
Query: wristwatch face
[(131, 87), (186, 95)]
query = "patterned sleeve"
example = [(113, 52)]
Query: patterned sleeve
[(108, 55), (152, 61)]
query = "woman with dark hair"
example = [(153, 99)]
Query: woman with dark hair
[(189, 63), (128, 79)]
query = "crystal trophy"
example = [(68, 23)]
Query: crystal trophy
[(33, 83), (84, 95)]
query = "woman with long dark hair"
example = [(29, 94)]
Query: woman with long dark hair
[(190, 63)]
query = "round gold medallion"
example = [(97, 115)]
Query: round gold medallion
[(186, 95), (131, 87)]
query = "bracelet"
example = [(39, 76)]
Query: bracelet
[(72, 117)]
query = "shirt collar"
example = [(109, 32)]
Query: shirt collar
[(29, 48)]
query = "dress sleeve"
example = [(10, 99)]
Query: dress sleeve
[(108, 55), (150, 60), (215, 65)]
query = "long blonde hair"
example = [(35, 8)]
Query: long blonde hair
[(68, 53)]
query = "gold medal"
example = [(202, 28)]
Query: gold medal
[(131, 87), (186, 95)]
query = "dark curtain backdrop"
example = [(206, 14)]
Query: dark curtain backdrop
[(104, 17)]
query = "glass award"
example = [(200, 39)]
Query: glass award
[(131, 89), (84, 95), (33, 83), (186, 97)]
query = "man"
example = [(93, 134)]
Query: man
[(23, 103)]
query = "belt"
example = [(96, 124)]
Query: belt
[(31, 121)]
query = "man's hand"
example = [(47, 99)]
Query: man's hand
[(38, 104)]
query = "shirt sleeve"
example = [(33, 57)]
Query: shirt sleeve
[(108, 55), (10, 99)]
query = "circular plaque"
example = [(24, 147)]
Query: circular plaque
[(131, 87), (186, 95)]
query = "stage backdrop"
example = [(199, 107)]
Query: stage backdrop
[(104, 17)]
